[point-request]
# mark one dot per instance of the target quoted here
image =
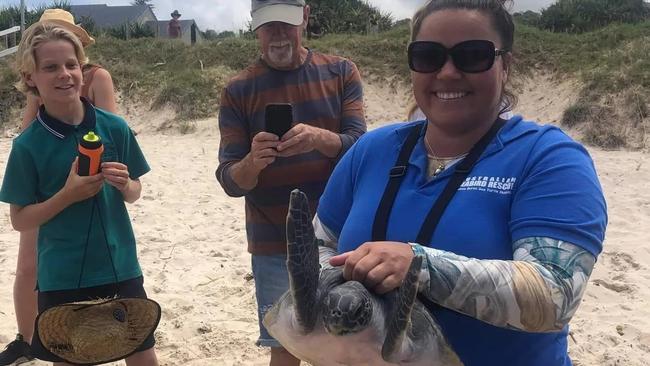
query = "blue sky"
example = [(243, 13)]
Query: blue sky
[(233, 14)]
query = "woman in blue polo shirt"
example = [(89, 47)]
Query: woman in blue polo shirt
[(509, 215)]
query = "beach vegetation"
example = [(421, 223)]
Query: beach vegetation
[(610, 63)]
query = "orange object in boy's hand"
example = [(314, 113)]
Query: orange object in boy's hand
[(78, 188)]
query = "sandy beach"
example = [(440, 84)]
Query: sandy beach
[(192, 247)]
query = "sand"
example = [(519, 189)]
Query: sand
[(192, 246)]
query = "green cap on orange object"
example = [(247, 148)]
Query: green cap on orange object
[(91, 137)]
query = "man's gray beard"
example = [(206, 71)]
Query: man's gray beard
[(281, 59)]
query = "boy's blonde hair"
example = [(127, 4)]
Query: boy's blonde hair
[(35, 36)]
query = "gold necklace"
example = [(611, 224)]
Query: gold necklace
[(442, 162)]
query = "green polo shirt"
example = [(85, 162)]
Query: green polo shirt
[(38, 167)]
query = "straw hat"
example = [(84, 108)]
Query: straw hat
[(66, 20), (97, 331)]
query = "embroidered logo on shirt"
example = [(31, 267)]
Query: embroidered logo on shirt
[(501, 185)]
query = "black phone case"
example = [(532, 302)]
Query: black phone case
[(278, 119)]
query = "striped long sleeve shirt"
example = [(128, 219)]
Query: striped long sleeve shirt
[(325, 92)]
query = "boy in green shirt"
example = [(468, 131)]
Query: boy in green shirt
[(86, 247)]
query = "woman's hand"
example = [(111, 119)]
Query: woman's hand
[(380, 266)]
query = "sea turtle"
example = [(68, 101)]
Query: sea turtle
[(325, 320)]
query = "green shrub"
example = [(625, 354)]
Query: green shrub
[(636, 106), (577, 114), (606, 135), (10, 98), (578, 16)]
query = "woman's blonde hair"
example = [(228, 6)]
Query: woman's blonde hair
[(33, 38)]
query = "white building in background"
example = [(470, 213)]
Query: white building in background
[(104, 17)]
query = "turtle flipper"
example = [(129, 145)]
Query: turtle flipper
[(399, 321), (406, 332), (302, 260)]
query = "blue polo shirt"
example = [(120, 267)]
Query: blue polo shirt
[(531, 181), (38, 167)]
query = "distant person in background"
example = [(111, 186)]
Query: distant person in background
[(326, 95), (174, 26), (98, 90), (314, 29), (373, 26)]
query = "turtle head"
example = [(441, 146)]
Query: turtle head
[(347, 309)]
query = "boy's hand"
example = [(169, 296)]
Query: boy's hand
[(117, 175), (78, 188)]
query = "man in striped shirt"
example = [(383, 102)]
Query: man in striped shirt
[(327, 100)]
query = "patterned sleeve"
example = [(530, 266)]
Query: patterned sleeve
[(538, 291), (353, 122), (234, 145)]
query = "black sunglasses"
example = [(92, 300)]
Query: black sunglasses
[(469, 56)]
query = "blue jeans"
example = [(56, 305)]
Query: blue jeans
[(271, 282)]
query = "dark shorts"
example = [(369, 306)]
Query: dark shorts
[(48, 299)]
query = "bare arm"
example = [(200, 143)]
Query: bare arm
[(33, 102), (244, 173), (102, 91), (132, 191), (32, 216), (328, 143), (76, 188)]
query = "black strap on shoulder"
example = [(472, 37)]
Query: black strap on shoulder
[(460, 173), (397, 173), (395, 178)]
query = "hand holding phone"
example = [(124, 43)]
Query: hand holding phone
[(278, 118), (263, 150)]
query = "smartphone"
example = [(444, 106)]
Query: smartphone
[(278, 118)]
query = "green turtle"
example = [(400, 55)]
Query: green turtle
[(325, 320)]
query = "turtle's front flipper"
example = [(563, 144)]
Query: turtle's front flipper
[(412, 332), (399, 321), (302, 261)]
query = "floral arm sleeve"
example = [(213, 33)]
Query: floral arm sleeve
[(538, 291)]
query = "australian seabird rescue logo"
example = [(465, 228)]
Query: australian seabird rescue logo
[(501, 185)]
